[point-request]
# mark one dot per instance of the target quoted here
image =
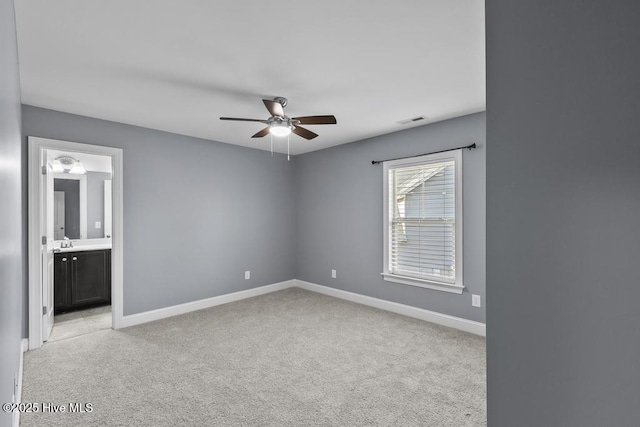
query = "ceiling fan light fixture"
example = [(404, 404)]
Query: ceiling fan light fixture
[(280, 129)]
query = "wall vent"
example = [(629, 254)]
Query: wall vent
[(412, 120)]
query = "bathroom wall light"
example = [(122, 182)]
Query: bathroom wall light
[(57, 166), (67, 164), (77, 169)]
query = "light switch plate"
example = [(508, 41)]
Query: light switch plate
[(475, 300), (333, 274), (98, 224), (247, 275)]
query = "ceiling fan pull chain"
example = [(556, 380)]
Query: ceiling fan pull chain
[(288, 157), (271, 145)]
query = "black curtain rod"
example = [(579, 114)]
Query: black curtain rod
[(470, 147)]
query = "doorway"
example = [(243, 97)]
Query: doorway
[(75, 238)]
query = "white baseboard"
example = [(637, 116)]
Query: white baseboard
[(162, 313), (466, 325), (406, 310), (24, 346)]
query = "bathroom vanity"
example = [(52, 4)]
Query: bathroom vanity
[(82, 278)]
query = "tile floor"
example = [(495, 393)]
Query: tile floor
[(82, 322)]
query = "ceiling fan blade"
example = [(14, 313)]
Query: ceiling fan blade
[(262, 133), (316, 120), (305, 133), (237, 119), (275, 108)]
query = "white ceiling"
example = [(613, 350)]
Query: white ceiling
[(178, 66)]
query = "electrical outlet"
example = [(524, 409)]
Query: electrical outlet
[(475, 300), (247, 275), (98, 224), (333, 274)]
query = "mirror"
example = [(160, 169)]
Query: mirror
[(81, 201)]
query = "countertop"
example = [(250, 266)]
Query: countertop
[(82, 248)]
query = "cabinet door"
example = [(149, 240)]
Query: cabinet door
[(61, 295), (89, 277)]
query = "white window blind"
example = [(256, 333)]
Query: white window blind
[(422, 220)]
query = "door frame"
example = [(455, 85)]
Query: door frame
[(35, 231)]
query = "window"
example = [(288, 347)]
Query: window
[(423, 221)]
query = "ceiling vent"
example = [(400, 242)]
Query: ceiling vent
[(412, 120)]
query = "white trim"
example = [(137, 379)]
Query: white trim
[(406, 310), (37, 144), (117, 245), (175, 310), (466, 325), (24, 346), (108, 210), (35, 294), (445, 287)]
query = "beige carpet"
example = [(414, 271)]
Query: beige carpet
[(289, 358)]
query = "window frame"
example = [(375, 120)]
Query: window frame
[(456, 286)]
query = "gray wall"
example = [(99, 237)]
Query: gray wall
[(95, 203), (11, 266), (197, 213), (563, 204), (339, 206)]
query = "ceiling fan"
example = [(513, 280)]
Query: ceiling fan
[(281, 125)]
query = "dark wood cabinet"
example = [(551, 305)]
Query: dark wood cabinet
[(61, 285), (81, 279)]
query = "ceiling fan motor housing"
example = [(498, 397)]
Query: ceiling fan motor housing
[(279, 121), (281, 100)]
